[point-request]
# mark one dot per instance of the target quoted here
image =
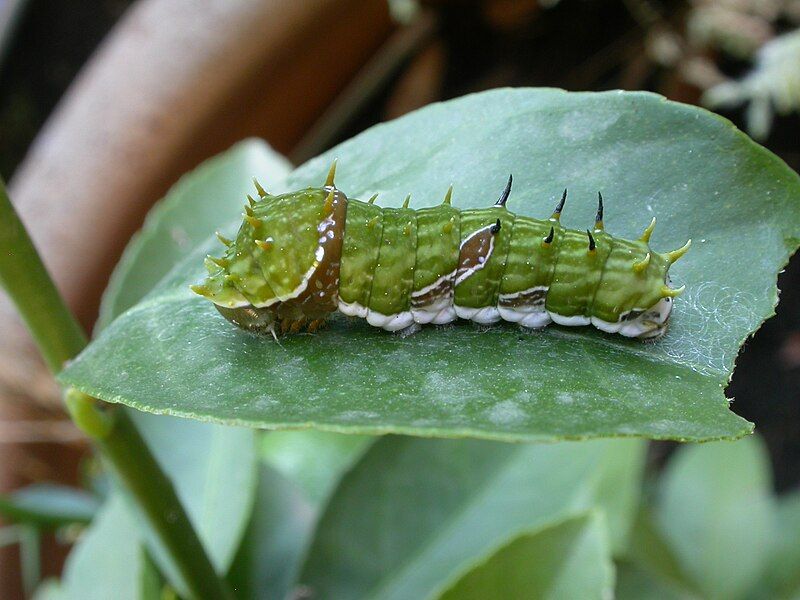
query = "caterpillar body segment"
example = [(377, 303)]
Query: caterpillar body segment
[(301, 256), (438, 250)]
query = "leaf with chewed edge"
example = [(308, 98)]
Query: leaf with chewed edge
[(172, 353)]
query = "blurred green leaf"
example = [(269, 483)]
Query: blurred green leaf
[(214, 470), (272, 550), (783, 567), (314, 460), (9, 534), (413, 513), (619, 492), (108, 562), (569, 560), (650, 555), (49, 505), (300, 470), (704, 179), (30, 556), (635, 583), (716, 511)]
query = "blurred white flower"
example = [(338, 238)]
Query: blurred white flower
[(772, 86)]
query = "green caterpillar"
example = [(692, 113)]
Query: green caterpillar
[(299, 257)]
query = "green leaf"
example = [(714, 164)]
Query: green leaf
[(569, 560), (192, 210), (214, 470), (49, 505), (272, 550), (636, 583), (704, 179), (413, 513), (314, 460), (300, 470), (783, 566), (715, 511), (108, 562), (619, 492), (651, 557)]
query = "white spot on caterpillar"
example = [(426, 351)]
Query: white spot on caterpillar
[(536, 320), (530, 314), (445, 316), (606, 326), (428, 313), (390, 322), (483, 316), (353, 309), (573, 321), (649, 323), (439, 309)]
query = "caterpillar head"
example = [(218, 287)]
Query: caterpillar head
[(633, 296), (648, 324), (282, 270), (657, 297)]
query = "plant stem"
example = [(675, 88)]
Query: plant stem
[(60, 338), (27, 282), (155, 497)]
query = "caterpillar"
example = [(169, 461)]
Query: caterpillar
[(299, 257)]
